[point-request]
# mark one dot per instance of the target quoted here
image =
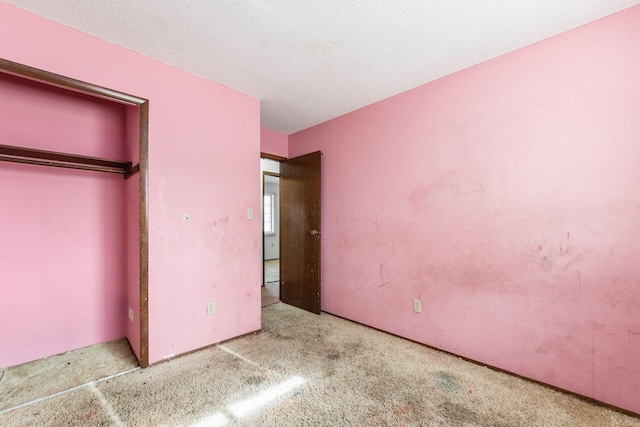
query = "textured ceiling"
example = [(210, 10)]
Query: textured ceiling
[(310, 61)]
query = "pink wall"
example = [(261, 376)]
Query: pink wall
[(62, 246), (202, 137), (506, 198), (272, 142)]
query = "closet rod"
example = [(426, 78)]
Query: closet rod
[(32, 156)]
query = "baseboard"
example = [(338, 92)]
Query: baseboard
[(166, 359)]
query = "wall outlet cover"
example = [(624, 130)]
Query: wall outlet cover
[(417, 306)]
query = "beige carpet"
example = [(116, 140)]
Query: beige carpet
[(308, 370), (44, 377)]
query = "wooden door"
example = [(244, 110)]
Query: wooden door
[(300, 232)]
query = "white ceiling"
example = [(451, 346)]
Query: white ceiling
[(310, 61)]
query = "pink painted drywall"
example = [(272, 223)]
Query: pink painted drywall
[(506, 198), (272, 142), (204, 144), (62, 239)]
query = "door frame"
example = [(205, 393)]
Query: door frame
[(278, 159), (68, 83), (264, 174)]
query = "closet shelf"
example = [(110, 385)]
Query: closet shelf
[(32, 156)]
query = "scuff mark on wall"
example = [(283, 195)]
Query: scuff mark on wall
[(382, 282), (565, 250), (250, 295)]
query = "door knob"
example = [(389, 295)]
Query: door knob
[(315, 232)]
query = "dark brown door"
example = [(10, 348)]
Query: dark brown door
[(300, 232)]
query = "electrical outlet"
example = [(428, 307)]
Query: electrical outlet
[(249, 213), (211, 308), (417, 306), (130, 314)]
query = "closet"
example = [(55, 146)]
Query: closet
[(73, 215)]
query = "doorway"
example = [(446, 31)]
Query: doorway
[(271, 235)]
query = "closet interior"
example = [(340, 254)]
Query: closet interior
[(73, 235)]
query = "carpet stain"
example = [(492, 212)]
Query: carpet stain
[(333, 355), (281, 336), (254, 380), (446, 381), (353, 348), (459, 414), (402, 409)]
